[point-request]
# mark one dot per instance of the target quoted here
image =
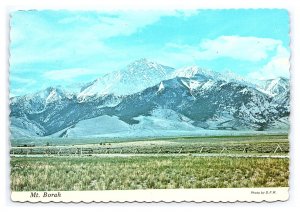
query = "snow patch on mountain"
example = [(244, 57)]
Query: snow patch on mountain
[(161, 87)]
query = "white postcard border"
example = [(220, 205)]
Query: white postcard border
[(158, 195), (232, 195)]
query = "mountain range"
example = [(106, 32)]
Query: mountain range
[(149, 99)]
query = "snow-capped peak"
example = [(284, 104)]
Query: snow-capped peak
[(144, 66), (47, 95), (275, 86), (136, 77), (230, 76), (143, 62), (196, 72), (53, 96)]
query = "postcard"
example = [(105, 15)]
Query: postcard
[(149, 106)]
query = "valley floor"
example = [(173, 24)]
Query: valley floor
[(218, 162)]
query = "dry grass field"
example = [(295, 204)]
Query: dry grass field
[(249, 161), (161, 172)]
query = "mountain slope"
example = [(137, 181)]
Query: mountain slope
[(216, 102), (102, 125), (22, 127), (147, 98)]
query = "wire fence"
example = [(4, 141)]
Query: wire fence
[(153, 149)]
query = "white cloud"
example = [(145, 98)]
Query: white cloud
[(76, 36), (22, 80), (242, 49), (278, 66), (66, 74), (235, 47), (17, 92), (126, 23), (20, 85), (117, 23)]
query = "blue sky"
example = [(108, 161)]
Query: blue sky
[(50, 48)]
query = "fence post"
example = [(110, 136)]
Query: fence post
[(224, 148), (278, 147), (58, 151)]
